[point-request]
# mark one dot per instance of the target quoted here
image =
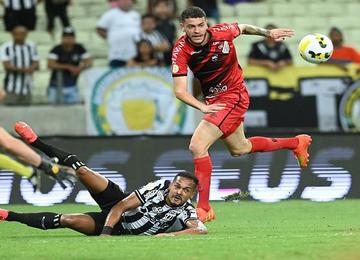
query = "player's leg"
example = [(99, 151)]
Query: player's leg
[(204, 136), (92, 180), (82, 223), (23, 152), (238, 144), (18, 148)]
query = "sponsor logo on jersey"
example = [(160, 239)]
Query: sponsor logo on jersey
[(175, 68), (218, 89), (196, 52), (214, 58), (226, 48)]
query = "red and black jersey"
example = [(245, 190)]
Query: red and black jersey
[(214, 64)]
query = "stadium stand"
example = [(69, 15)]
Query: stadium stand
[(305, 16)]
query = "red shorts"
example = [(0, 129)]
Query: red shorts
[(229, 119)]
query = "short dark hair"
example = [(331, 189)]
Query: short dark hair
[(147, 16), (157, 2), (270, 26), (192, 12), (189, 176), (335, 29)]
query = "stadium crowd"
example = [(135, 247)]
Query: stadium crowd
[(132, 39)]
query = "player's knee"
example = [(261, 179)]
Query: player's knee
[(68, 220), (197, 149), (243, 147)]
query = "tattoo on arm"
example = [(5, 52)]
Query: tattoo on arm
[(254, 30)]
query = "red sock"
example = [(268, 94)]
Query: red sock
[(203, 169), (265, 144)]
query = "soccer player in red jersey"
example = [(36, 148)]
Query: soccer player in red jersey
[(210, 54)]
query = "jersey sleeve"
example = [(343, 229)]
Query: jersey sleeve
[(54, 53), (34, 52), (105, 21), (189, 213), (84, 54), (231, 30), (180, 60), (4, 53), (234, 29), (150, 190)]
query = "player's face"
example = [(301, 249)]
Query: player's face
[(195, 29), (336, 38), (19, 34), (148, 24), (68, 40), (145, 49), (125, 5), (162, 9), (180, 190)]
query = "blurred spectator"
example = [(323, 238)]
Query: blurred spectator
[(56, 8), (120, 26), (269, 53), (20, 60), (209, 6), (66, 61), (113, 3), (234, 2), (165, 25), (145, 56), (172, 6), (342, 54), (19, 12), (158, 41), (2, 94)]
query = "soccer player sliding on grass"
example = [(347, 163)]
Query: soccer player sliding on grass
[(38, 164), (210, 54), (160, 208)]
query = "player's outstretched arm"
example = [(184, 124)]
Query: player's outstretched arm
[(278, 34), (130, 202), (194, 227), (181, 92)]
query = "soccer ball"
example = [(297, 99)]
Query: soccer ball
[(316, 48)]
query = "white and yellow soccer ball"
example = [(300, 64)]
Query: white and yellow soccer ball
[(316, 48)]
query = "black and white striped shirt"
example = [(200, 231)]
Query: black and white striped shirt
[(21, 56), (20, 4), (154, 216), (156, 38)]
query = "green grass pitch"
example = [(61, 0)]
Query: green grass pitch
[(246, 230)]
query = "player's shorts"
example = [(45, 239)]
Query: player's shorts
[(106, 200), (229, 119)]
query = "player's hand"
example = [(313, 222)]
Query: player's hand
[(59, 173), (271, 65), (75, 70), (281, 34), (206, 109)]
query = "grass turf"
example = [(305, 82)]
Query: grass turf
[(245, 230)]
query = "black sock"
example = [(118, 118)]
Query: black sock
[(50, 150), (43, 220), (65, 158)]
